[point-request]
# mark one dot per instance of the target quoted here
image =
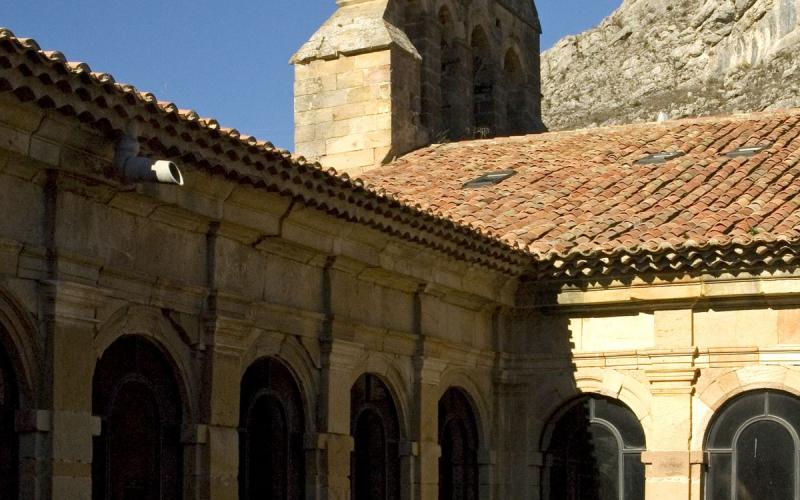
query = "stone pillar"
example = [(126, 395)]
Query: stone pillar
[(697, 462), (486, 461), (219, 435), (425, 427), (333, 444), (668, 458), (71, 326)]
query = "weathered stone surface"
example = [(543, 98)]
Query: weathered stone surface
[(690, 58)]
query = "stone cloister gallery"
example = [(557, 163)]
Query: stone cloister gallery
[(439, 300)]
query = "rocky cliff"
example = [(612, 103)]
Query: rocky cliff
[(683, 57)]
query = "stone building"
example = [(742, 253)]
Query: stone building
[(610, 313), (383, 77)]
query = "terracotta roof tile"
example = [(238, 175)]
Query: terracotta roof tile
[(582, 193)]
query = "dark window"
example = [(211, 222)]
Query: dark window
[(271, 450), (375, 427), (9, 402), (458, 438), (138, 454), (752, 448), (593, 451)]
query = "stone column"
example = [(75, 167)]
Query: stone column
[(219, 435), (333, 444), (668, 459), (425, 427), (486, 461), (66, 457)]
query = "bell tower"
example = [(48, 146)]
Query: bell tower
[(384, 77)]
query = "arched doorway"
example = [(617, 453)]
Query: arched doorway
[(753, 448), (271, 430), (9, 443), (458, 438), (138, 454), (375, 427), (593, 451)]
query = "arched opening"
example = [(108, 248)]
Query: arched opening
[(9, 441), (593, 450), (516, 109), (458, 438), (450, 70), (138, 454), (483, 85), (271, 434), (752, 448), (375, 427)]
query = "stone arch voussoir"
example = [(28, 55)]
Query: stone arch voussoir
[(150, 323)]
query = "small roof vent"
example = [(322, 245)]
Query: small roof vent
[(662, 157), (489, 179), (746, 151)]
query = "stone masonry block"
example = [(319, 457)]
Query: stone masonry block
[(373, 59), (308, 86), (350, 79), (352, 159), (313, 117)]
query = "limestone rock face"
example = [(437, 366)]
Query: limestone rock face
[(683, 57)]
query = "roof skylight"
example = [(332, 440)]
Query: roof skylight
[(746, 151), (489, 179), (661, 157)]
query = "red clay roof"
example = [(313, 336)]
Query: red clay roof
[(581, 193)]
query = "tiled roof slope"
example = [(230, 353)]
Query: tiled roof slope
[(583, 206), (73, 89)]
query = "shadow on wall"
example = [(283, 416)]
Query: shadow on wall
[(586, 442)]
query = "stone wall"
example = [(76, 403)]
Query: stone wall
[(218, 275), (673, 351)]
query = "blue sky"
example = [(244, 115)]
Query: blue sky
[(227, 60)]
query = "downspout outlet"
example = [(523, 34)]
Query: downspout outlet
[(137, 168)]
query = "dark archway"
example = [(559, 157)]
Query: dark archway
[(516, 108), (483, 85), (753, 448), (138, 455), (9, 441), (375, 427), (451, 70), (458, 438), (271, 434), (593, 451)]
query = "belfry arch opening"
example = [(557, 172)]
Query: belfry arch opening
[(375, 427), (483, 85), (136, 395), (450, 71), (514, 81), (271, 433)]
